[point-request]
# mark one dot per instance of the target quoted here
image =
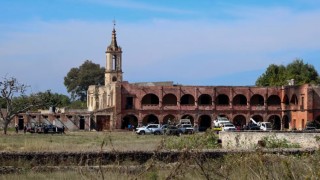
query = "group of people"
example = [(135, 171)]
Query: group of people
[(17, 128), (36, 129)]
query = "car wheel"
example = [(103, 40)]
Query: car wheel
[(142, 132)]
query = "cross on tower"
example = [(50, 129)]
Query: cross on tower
[(114, 23)]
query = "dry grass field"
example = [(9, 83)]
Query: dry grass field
[(77, 141), (234, 166)]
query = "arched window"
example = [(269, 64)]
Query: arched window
[(222, 99), (187, 99), (150, 99), (239, 100), (169, 100), (274, 100), (204, 99)]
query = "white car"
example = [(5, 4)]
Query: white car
[(149, 129), (220, 120), (228, 127), (186, 128)]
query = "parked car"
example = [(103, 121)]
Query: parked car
[(186, 128), (53, 129), (173, 130), (253, 127), (149, 129), (220, 120), (310, 128), (161, 130), (228, 127)]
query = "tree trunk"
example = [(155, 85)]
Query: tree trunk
[(5, 127)]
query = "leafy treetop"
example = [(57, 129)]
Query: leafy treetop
[(79, 79), (278, 75)]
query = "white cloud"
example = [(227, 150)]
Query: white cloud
[(187, 52), (129, 4)]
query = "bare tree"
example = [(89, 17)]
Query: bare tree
[(15, 101)]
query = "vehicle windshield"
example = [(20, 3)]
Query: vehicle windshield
[(228, 125), (187, 125), (222, 119)]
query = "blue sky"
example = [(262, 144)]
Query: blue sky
[(207, 42)]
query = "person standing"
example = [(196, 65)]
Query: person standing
[(17, 128)]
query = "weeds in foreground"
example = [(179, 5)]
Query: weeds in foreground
[(208, 140), (190, 164), (274, 142)]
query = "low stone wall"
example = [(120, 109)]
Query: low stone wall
[(249, 140)]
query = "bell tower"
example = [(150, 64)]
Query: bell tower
[(114, 60)]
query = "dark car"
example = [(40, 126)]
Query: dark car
[(173, 130), (253, 127), (161, 130), (310, 128), (53, 129)]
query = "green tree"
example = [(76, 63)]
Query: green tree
[(13, 94), (51, 100), (302, 73), (278, 75), (274, 76), (79, 79), (78, 105)]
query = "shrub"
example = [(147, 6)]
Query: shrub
[(274, 142), (208, 140)]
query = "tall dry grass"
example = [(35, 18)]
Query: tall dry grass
[(77, 141), (235, 166)]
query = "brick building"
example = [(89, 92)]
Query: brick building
[(119, 103), (71, 119)]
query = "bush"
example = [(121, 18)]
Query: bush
[(208, 140), (274, 142)]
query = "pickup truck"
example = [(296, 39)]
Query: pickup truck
[(149, 129)]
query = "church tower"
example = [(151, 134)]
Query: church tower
[(114, 61)]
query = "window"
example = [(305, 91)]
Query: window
[(129, 102), (114, 62)]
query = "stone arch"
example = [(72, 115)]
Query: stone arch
[(169, 100), (286, 100), (294, 99), (257, 118), (275, 121), (114, 79), (204, 122), (222, 100), (257, 100), (129, 119), (239, 100), (168, 117), (274, 100), (285, 122), (187, 99), (150, 119), (239, 121), (204, 99), (150, 99), (188, 116)]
